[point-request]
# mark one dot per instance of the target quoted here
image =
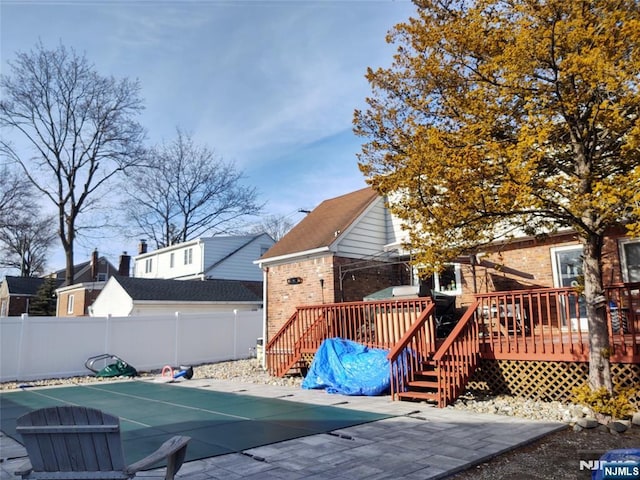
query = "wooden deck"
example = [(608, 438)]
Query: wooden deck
[(541, 325)]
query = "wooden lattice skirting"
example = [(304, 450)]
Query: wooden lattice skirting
[(540, 380)]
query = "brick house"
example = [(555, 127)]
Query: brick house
[(16, 294), (351, 247), (343, 250), (90, 277)]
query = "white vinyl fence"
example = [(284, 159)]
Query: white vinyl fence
[(33, 348)]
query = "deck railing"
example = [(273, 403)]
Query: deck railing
[(551, 323), (379, 324), (623, 307), (409, 354), (457, 358)]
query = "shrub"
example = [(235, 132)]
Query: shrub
[(617, 405)]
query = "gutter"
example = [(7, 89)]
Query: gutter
[(307, 253)]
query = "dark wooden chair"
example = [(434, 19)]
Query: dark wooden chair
[(84, 443)]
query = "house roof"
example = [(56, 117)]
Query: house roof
[(150, 289), (80, 268), (321, 227), (25, 285)]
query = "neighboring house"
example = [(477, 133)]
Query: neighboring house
[(219, 257), (97, 269), (90, 277), (16, 294), (351, 247), (126, 296)]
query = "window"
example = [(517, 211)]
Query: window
[(148, 265), (630, 260), (188, 256), (448, 281), (102, 277), (70, 300), (567, 265), (567, 270), (172, 259)]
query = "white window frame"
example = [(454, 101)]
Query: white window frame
[(557, 282), (172, 256), (148, 265), (623, 256), (446, 289), (188, 256), (70, 303)]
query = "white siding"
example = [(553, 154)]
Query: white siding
[(161, 262), (396, 236), (239, 265), (227, 258), (367, 236), (113, 300)]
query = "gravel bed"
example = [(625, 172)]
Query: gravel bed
[(249, 371)]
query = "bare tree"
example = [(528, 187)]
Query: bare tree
[(15, 190), (277, 226), (25, 236), (80, 127), (25, 244), (189, 191)]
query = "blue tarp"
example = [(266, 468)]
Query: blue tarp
[(349, 368)]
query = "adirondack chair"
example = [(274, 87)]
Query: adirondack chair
[(73, 443)]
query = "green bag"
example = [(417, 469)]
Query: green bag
[(118, 369)]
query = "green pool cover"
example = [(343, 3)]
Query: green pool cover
[(217, 422)]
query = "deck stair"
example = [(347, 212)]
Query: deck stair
[(424, 386), (436, 373)]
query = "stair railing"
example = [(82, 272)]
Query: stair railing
[(416, 346), (457, 358), (280, 350), (376, 324)]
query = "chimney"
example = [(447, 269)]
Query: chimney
[(142, 247), (124, 265), (94, 265)]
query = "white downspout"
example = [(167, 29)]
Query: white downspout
[(265, 303)]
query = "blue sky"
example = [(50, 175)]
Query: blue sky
[(270, 85)]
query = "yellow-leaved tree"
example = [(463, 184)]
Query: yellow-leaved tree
[(499, 116)]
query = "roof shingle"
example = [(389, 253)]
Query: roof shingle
[(187, 290), (318, 229)]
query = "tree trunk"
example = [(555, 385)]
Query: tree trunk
[(67, 236), (599, 346)]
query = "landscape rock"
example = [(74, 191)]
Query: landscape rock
[(619, 426), (587, 422)]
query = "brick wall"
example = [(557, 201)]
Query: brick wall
[(283, 298), (360, 279), (527, 264), (82, 299)]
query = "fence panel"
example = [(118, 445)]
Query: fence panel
[(51, 347)]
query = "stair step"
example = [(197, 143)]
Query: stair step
[(423, 384), (427, 396), (427, 373)]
